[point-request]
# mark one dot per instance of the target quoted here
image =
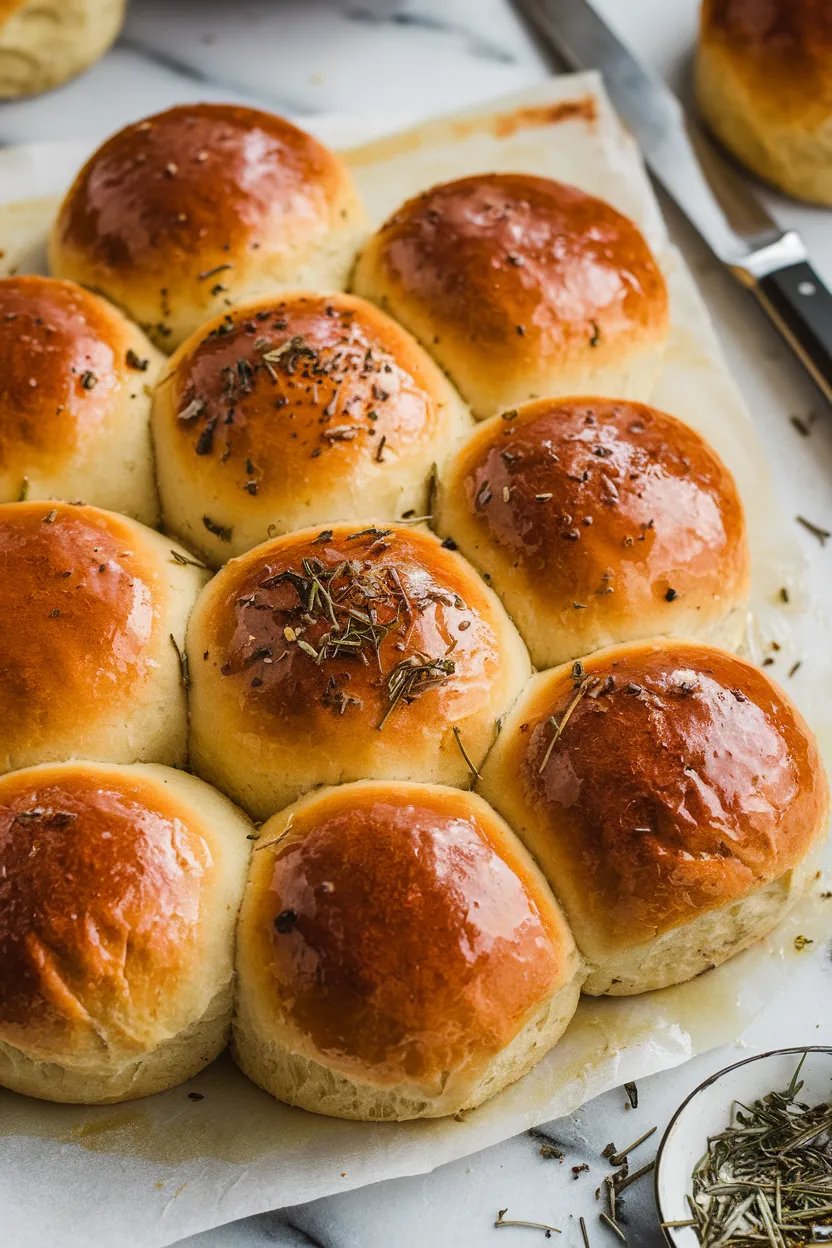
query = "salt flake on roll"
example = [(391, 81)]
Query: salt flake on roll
[(521, 287), (675, 800)]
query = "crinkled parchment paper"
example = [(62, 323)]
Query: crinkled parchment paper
[(149, 1172)]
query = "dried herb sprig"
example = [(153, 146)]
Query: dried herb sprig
[(587, 683), (535, 1226), (411, 677), (767, 1179)]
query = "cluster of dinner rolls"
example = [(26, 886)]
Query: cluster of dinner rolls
[(405, 947), (764, 86)]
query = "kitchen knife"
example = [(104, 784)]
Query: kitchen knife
[(771, 262)]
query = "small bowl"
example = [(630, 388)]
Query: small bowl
[(708, 1110)]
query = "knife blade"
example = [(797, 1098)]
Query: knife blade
[(771, 262)]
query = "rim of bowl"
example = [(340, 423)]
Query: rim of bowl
[(667, 1232)]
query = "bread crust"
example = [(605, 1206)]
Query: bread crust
[(521, 287), (599, 521)]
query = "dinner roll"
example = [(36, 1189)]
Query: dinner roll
[(119, 890), (674, 799), (521, 287), (599, 521), (347, 653), (44, 42), (295, 411), (398, 955), (184, 214), (75, 379), (93, 608), (764, 85)]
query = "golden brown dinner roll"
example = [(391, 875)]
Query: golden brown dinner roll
[(75, 380), (673, 798), (180, 216), (119, 890), (93, 608), (521, 288), (294, 411), (599, 521), (764, 85), (346, 653), (398, 955), (44, 42)]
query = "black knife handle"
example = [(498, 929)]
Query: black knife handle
[(801, 305)]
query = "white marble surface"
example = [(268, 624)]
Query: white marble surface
[(402, 59)]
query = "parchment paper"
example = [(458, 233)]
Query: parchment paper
[(147, 1173)]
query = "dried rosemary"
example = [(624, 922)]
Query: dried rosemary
[(767, 1179)]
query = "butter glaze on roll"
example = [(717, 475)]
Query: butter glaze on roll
[(75, 379), (521, 288), (179, 216), (119, 890), (90, 601), (283, 699), (599, 521), (678, 814), (764, 85), (296, 411), (398, 955)]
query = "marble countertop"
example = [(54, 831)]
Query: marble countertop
[(400, 60)]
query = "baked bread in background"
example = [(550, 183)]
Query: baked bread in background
[(399, 955), (182, 215), (295, 411), (348, 653), (599, 521), (93, 608), (75, 381), (45, 42), (764, 86), (119, 891), (521, 288), (673, 797)]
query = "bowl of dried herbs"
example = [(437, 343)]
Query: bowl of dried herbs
[(746, 1161)]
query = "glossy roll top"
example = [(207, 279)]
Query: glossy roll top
[(89, 601), (599, 521), (294, 411), (521, 287), (658, 784), (345, 653), (196, 208), (74, 401), (119, 888), (398, 954), (764, 85)]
